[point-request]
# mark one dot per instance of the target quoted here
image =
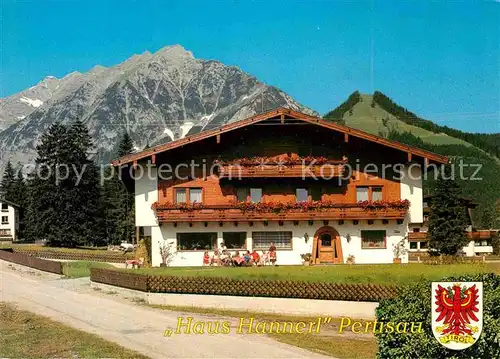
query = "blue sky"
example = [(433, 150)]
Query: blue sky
[(440, 60)]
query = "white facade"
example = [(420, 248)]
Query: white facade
[(146, 193), (395, 233), (8, 221), (411, 189)]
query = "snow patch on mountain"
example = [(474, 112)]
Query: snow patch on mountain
[(31, 102), (170, 133), (185, 127)]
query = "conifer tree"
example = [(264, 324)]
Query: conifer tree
[(118, 202), (125, 146), (83, 188), (8, 182), (447, 220), (46, 217)]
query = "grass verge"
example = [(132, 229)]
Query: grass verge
[(27, 335), (394, 274), (327, 342), (80, 269)]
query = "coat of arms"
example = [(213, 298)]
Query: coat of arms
[(457, 313)]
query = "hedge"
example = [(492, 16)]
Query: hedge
[(413, 304), (82, 256), (239, 287), (33, 262)]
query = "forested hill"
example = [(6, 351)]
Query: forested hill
[(379, 115)]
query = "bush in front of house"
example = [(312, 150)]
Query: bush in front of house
[(413, 304)]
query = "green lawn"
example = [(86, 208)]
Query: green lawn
[(27, 335), (79, 269), (373, 273)]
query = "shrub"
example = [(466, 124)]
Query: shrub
[(413, 304)]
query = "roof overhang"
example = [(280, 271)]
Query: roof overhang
[(283, 112), (2, 200)]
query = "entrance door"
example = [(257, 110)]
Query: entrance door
[(327, 247)]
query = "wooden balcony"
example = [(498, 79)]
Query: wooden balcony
[(274, 171), (417, 236), (481, 235), (230, 213), (422, 236)]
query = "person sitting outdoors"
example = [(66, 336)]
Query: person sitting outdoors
[(272, 254), (248, 258), (215, 258), (264, 258), (224, 258), (255, 258), (206, 259), (238, 260)]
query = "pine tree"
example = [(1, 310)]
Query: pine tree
[(83, 189), (119, 203), (447, 219), (8, 182), (46, 215), (125, 146)]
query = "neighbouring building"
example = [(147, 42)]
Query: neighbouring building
[(9, 221), (303, 183), (480, 239)]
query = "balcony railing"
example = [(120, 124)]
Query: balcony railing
[(269, 171), (282, 166), (417, 236), (230, 213), (422, 236)]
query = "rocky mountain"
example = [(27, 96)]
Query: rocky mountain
[(156, 97)]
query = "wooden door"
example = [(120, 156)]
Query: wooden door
[(327, 246)]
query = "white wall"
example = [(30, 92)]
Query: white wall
[(167, 232), (12, 224), (146, 193), (411, 189)]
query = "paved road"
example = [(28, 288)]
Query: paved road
[(133, 326)]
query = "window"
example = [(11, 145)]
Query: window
[(5, 220), (376, 193), (241, 194), (425, 205), (373, 239), (369, 194), (361, 194), (191, 195), (301, 195), (196, 241), (416, 230), (5, 207), (413, 245), (4, 232), (263, 240), (180, 195), (256, 194), (195, 195), (423, 245), (316, 194), (235, 240)]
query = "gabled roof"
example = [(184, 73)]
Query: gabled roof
[(3, 200), (133, 157)]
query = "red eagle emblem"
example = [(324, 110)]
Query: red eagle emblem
[(457, 307)]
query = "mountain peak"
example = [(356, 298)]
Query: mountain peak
[(174, 51), (155, 104)]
